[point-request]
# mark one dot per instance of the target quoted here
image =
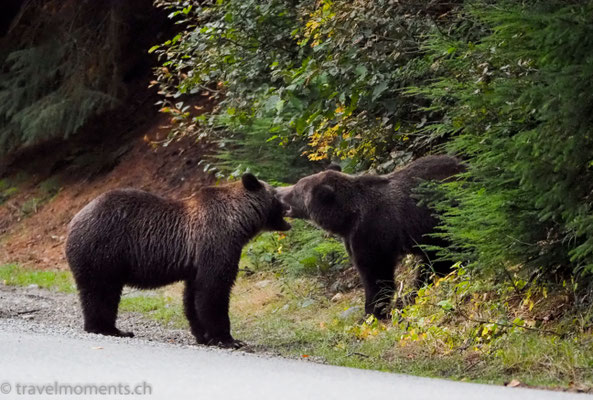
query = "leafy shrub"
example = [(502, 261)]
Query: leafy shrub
[(302, 250), (327, 74), (250, 148)]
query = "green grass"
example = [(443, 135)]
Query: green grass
[(50, 187), (47, 190), (162, 308), (16, 275)]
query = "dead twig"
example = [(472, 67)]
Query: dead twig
[(27, 311)]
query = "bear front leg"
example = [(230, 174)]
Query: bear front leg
[(379, 289), (211, 298), (376, 269)]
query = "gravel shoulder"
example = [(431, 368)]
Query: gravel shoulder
[(51, 311)]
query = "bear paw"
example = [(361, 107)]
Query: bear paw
[(111, 332), (227, 344)]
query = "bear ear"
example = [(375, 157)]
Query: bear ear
[(334, 167), (250, 182), (324, 193)]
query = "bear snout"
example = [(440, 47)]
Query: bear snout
[(286, 196), (283, 194), (287, 209)]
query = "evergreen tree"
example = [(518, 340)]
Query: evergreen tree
[(517, 101), (65, 62)]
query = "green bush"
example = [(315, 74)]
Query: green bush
[(300, 251), (250, 148), (327, 74)]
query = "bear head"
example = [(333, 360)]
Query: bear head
[(267, 196), (327, 198)]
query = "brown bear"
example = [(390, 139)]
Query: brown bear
[(132, 237), (377, 216)]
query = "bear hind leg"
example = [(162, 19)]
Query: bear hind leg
[(99, 307)]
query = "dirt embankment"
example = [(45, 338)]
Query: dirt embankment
[(52, 183)]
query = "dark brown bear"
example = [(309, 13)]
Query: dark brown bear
[(377, 217), (131, 237)]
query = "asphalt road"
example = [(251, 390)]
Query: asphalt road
[(34, 357)]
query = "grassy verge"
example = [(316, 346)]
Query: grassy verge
[(295, 317), (158, 305), (16, 275), (42, 194)]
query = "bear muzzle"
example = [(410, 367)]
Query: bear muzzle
[(291, 205)]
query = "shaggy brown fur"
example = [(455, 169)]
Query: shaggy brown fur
[(376, 216), (132, 237)]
